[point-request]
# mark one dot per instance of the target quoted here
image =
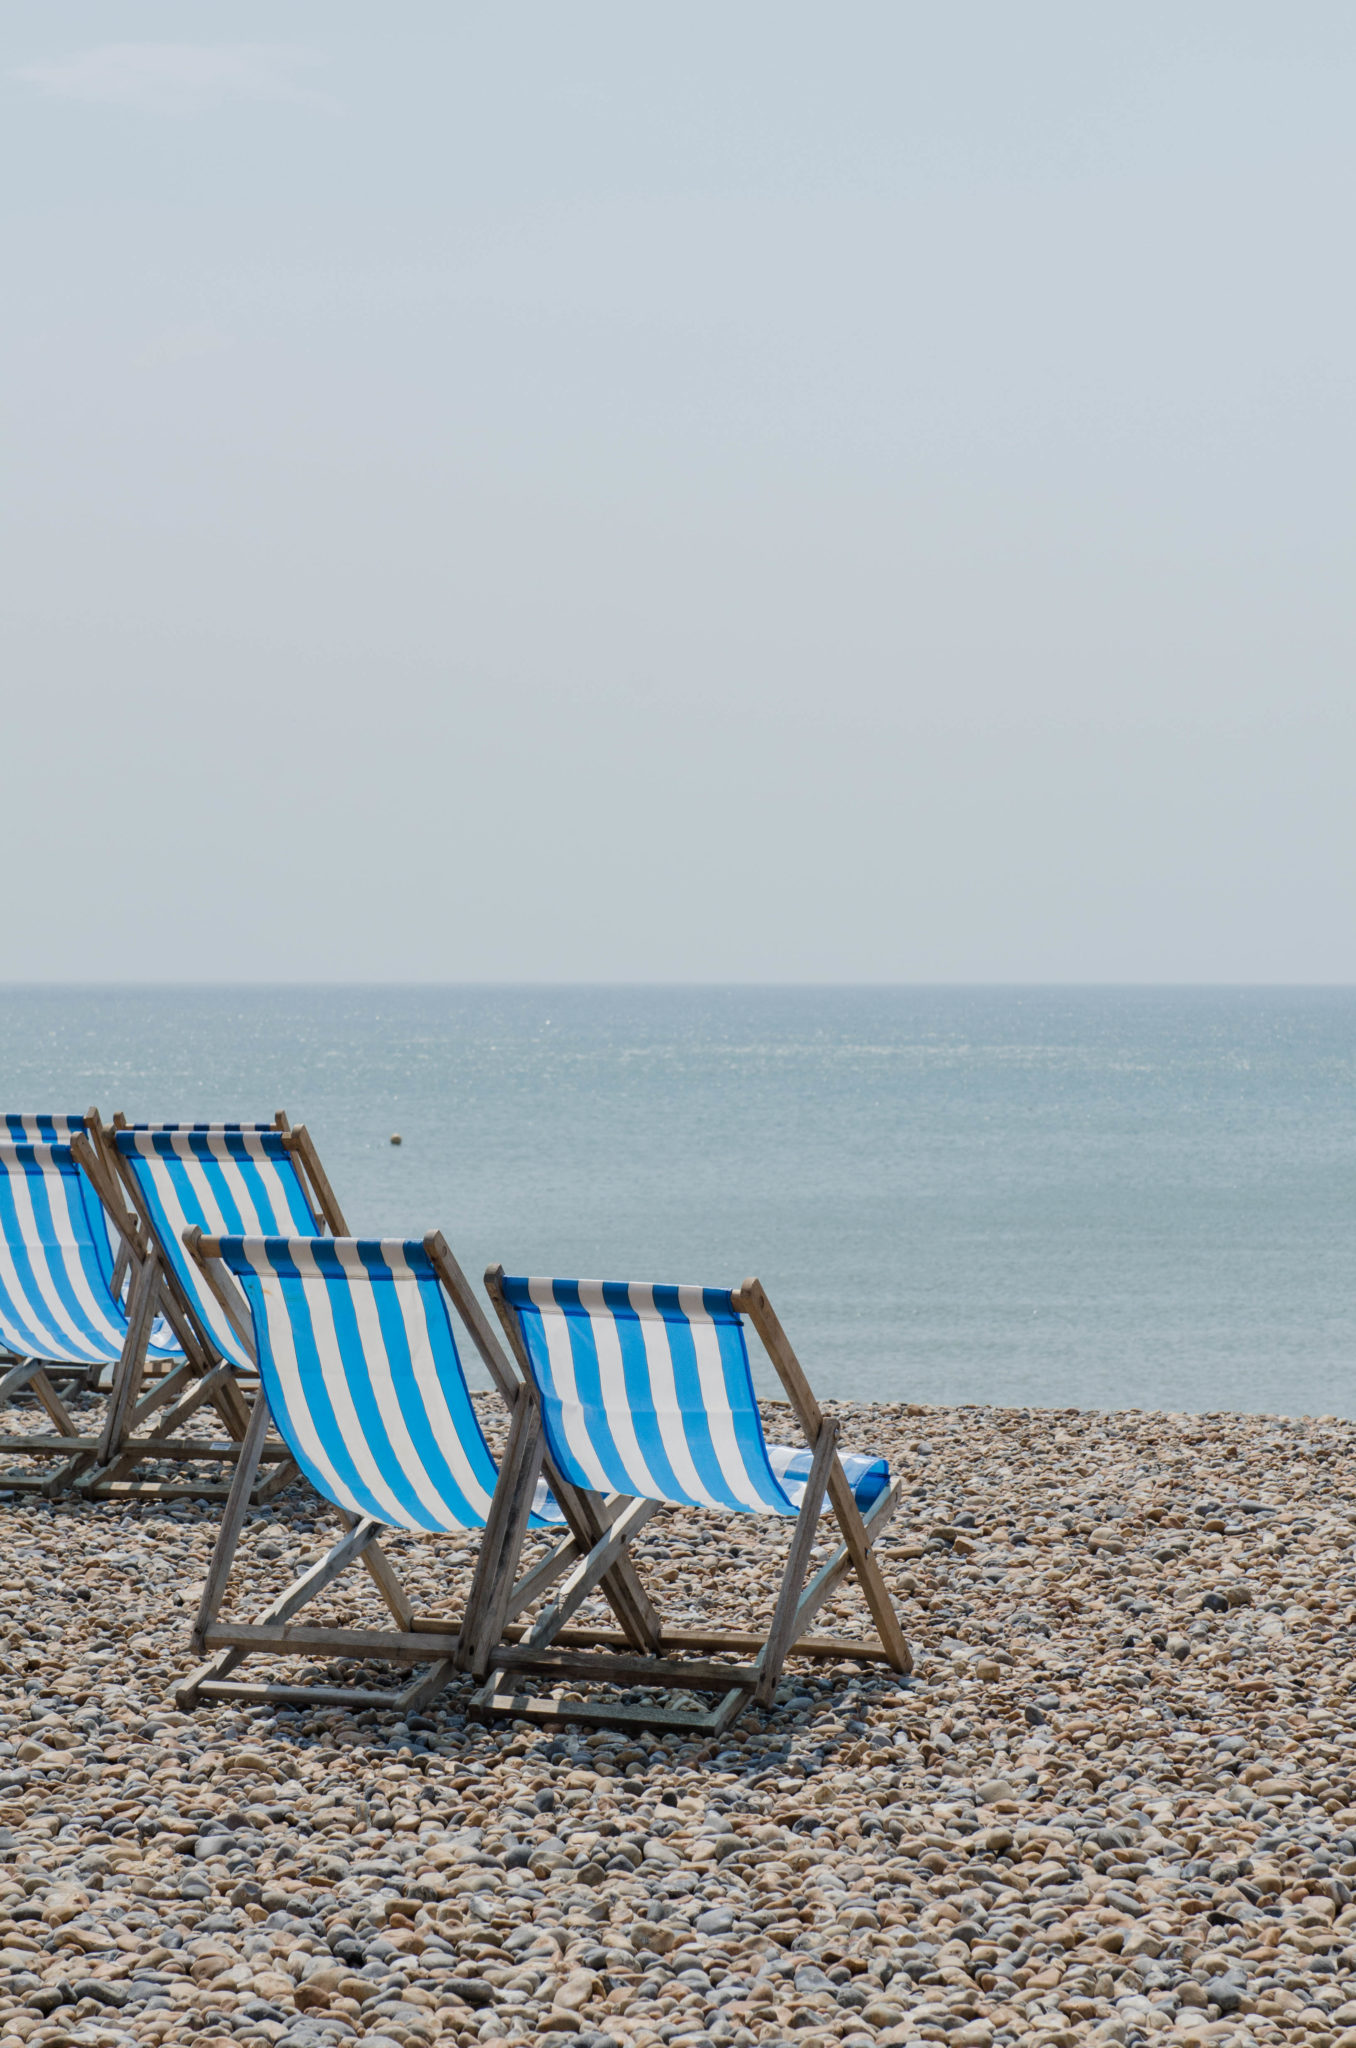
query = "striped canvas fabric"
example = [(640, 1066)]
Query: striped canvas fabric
[(42, 1127), (232, 1181), (359, 1366), (198, 1127), (56, 1271), (647, 1390)]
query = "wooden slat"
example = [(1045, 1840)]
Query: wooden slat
[(492, 1583), (580, 1582), (427, 1688), (391, 1645), (621, 1669), (489, 1704), (127, 1377), (228, 1536), (751, 1300), (300, 1142), (783, 1629), (290, 1695), (185, 1448), (477, 1323), (737, 1642)]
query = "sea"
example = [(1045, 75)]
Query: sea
[(1036, 1197)]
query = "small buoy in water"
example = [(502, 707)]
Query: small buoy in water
[(395, 1137)]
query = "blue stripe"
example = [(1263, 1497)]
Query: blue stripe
[(277, 1194), (451, 1379), (589, 1386), (314, 1390), (744, 1416), (640, 1394), (69, 1228), (691, 1401)]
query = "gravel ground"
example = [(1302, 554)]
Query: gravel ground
[(1114, 1801)]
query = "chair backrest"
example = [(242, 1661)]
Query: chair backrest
[(56, 1271), (359, 1365), (196, 1127), (647, 1390), (42, 1127), (229, 1180)]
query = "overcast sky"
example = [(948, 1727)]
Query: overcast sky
[(607, 492)]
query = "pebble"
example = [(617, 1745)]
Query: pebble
[(1114, 1803)]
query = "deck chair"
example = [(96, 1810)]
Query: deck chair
[(167, 1177), (360, 1373), (646, 1391), (61, 1306)]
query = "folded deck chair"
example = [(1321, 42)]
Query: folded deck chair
[(646, 1391), (361, 1375), (218, 1176), (60, 1299)]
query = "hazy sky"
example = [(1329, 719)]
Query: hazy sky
[(526, 491)]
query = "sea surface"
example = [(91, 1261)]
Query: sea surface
[(1060, 1197)]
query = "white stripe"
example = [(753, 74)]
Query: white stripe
[(37, 1315), (255, 1224), (664, 1392), (100, 1312), (616, 1403), (57, 1312), (554, 1323), (336, 1384), (297, 1422), (411, 1302), (711, 1371), (376, 1358), (155, 1174)]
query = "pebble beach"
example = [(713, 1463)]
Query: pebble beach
[(1114, 1801)]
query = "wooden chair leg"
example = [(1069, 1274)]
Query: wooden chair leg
[(782, 1632), (132, 1364), (492, 1584)]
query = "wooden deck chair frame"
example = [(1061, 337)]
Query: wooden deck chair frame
[(686, 1658), (439, 1645)]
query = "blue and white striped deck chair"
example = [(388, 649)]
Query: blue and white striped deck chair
[(58, 1304), (362, 1378), (227, 1180), (647, 1391)]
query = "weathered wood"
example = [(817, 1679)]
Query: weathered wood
[(237, 1507), (490, 1704), (207, 1253), (751, 1300), (198, 1687), (736, 1642), (782, 1631), (496, 1569), (212, 1449), (427, 1688), (589, 1572), (18, 1376), (386, 1579), (300, 1145), (538, 1579), (127, 1378), (473, 1316), (832, 1573), (392, 1646), (620, 1669)]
